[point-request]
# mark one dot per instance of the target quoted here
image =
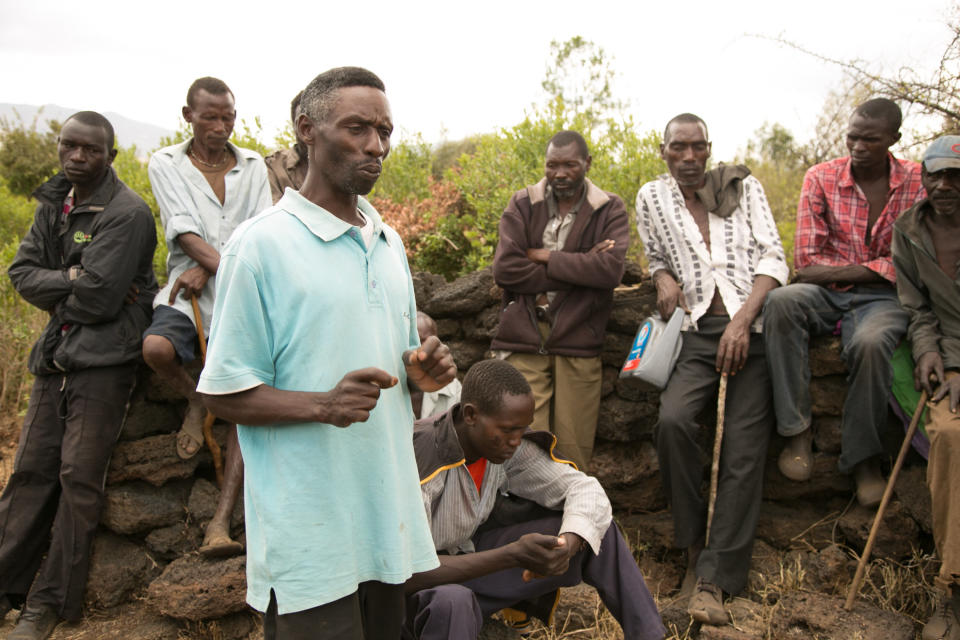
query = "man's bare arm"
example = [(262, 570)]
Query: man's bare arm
[(192, 281), (824, 275), (350, 401), (538, 553)]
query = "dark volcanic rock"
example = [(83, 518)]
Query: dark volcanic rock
[(826, 434), (153, 459), (800, 615), (896, 536), (192, 588), (633, 273), (624, 421), (617, 464), (203, 500), (174, 541), (645, 495), (464, 296), (467, 352), (609, 381), (147, 418), (631, 306), (914, 496), (652, 531), (799, 524), (424, 284), (825, 357), (616, 346), (482, 326), (827, 395), (137, 506), (118, 569), (448, 329), (825, 481)]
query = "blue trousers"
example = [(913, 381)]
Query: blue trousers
[(872, 325), (457, 611)]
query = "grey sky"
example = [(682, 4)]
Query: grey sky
[(453, 69)]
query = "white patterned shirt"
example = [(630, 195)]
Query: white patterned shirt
[(742, 246)]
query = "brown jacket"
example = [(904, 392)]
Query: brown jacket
[(584, 281)]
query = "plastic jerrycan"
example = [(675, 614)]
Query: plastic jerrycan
[(655, 349)]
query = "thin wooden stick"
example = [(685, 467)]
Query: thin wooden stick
[(208, 420), (887, 493), (717, 445)]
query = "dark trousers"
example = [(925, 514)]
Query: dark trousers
[(53, 500), (457, 611), (373, 612), (748, 424)]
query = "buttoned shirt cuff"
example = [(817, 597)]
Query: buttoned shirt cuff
[(583, 527), (179, 224)]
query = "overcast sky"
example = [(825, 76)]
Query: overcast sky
[(454, 68)]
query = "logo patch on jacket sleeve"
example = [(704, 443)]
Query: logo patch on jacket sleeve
[(80, 237)]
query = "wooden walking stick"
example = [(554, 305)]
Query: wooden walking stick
[(208, 420), (887, 493), (717, 445)]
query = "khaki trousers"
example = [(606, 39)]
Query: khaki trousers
[(566, 393), (943, 476)]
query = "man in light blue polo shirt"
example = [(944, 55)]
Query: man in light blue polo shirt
[(314, 338)]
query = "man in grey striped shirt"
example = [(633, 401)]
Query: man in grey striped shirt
[(496, 552)]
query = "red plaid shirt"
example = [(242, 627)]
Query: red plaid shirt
[(832, 217)]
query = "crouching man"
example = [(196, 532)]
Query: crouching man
[(496, 550)]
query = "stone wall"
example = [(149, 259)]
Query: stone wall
[(157, 504)]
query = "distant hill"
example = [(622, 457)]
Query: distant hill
[(145, 136)]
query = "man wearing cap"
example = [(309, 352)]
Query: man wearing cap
[(844, 277), (926, 255)]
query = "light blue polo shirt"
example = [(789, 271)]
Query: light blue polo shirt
[(300, 303)]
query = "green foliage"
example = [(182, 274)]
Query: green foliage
[(28, 158), (133, 172), (779, 163), (17, 215), (581, 77), (250, 136), (406, 172)]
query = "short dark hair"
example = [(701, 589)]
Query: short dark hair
[(882, 109), (565, 137), (94, 119), (294, 104), (320, 95), (685, 118), (488, 381), (213, 86)]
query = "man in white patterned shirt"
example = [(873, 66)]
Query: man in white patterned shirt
[(554, 530), (713, 249)]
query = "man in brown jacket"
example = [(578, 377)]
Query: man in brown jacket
[(561, 252)]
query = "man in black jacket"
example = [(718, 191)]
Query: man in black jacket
[(87, 260)]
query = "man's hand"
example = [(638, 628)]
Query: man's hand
[(733, 347), (929, 364), (431, 367), (191, 282), (132, 294), (541, 555), (354, 397), (540, 256), (603, 246), (950, 386), (669, 295)]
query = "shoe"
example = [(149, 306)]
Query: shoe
[(943, 624), (796, 459), (870, 484), (35, 623), (706, 605)]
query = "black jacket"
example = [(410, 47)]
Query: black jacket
[(112, 236)]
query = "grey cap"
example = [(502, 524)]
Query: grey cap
[(943, 153)]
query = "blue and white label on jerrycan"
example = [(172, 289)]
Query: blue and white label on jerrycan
[(655, 350)]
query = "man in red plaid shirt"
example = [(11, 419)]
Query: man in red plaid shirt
[(844, 276)]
